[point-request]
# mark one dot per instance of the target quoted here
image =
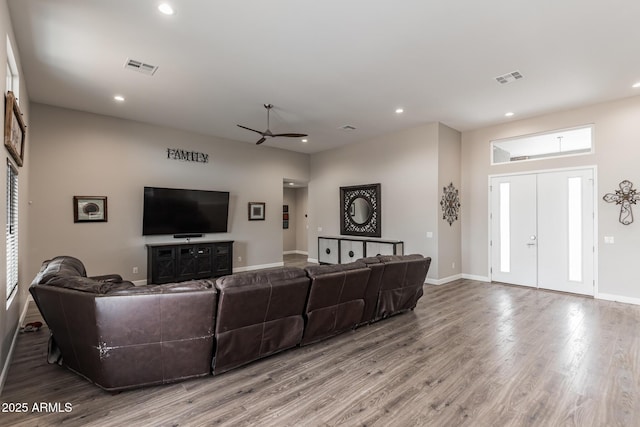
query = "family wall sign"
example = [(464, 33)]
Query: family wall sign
[(187, 156)]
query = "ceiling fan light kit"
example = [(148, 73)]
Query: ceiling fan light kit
[(268, 133)]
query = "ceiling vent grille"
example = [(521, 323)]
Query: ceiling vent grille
[(509, 77), (347, 128), (140, 67)]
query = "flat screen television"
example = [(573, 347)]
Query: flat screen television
[(177, 211)]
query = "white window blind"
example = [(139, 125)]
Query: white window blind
[(12, 229)]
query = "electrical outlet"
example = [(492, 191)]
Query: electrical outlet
[(429, 234), (453, 265), (135, 270), (239, 259)]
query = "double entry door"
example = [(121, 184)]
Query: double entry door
[(542, 230)]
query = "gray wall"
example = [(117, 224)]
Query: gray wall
[(449, 257), (10, 313), (616, 135), (76, 153), (407, 165)]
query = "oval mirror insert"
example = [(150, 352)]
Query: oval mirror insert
[(360, 210)]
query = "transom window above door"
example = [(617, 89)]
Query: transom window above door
[(557, 143)]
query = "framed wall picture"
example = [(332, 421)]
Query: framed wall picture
[(89, 209), (256, 211), (14, 129), (285, 216)]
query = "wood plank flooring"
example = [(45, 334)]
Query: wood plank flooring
[(471, 354)]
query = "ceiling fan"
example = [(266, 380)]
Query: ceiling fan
[(268, 133)]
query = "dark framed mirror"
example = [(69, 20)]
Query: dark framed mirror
[(360, 209)]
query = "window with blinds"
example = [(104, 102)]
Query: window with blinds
[(12, 229)]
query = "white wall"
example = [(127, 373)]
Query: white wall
[(406, 165), (616, 136), (76, 153)]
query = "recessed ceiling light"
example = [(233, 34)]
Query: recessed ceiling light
[(399, 110), (291, 183), (305, 140), (166, 9), (119, 98), (637, 85), (509, 114)]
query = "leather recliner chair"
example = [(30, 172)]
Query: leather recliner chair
[(402, 279), (259, 313), (336, 299)]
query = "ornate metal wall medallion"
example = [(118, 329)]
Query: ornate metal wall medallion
[(450, 204), (625, 197)]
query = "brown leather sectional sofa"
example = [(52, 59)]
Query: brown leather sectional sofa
[(122, 336)]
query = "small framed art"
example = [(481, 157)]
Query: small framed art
[(89, 209), (14, 129), (256, 211)]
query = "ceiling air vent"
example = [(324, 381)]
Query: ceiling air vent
[(347, 128), (140, 67), (509, 77)]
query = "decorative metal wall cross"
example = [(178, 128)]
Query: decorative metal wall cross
[(625, 197)]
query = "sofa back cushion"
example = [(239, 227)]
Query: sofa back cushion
[(255, 297), (402, 281), (336, 299), (60, 266)]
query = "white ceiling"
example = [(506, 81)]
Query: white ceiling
[(325, 64)]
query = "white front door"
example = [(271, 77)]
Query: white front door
[(514, 230), (565, 231), (542, 230)]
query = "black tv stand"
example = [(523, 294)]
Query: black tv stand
[(177, 262)]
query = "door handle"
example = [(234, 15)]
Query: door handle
[(531, 244)]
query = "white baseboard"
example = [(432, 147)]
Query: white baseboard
[(296, 252), (442, 281), (7, 363), (618, 298), (257, 267), (313, 260), (139, 282)]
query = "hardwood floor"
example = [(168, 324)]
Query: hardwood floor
[(296, 260), (472, 354)]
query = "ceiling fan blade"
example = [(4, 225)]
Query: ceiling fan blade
[(261, 140), (291, 135), (252, 130)]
